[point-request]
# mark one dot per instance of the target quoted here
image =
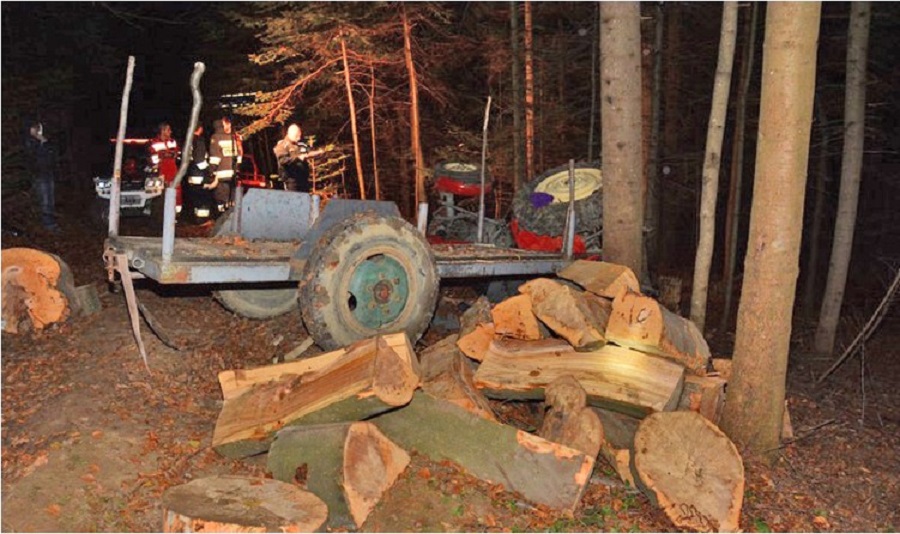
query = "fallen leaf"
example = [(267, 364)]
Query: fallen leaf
[(89, 478), (424, 473), (821, 522), (94, 468), (54, 510)]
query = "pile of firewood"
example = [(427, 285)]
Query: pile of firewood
[(622, 379)]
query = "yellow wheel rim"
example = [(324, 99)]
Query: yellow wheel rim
[(587, 181)]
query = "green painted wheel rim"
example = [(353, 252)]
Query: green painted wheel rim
[(379, 289)]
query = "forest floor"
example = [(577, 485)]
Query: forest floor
[(90, 440)]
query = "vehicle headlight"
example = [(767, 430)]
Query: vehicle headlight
[(153, 183), (102, 185), (201, 212)]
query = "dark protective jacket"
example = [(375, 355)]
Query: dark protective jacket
[(293, 169), (224, 152)]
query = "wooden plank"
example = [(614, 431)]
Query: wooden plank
[(613, 377)]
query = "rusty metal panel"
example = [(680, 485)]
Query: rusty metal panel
[(473, 268), (275, 215)]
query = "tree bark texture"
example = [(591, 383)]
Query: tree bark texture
[(851, 173), (416, 144), (712, 163), (529, 94), (753, 413), (516, 86), (351, 103), (620, 93), (733, 215), (652, 207), (374, 138)]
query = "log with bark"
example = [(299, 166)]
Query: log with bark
[(348, 465), (241, 504), (32, 289), (513, 318), (641, 323), (367, 378), (704, 395), (616, 378), (617, 447), (447, 374), (568, 419), (476, 329), (691, 469), (542, 471), (568, 312), (601, 278)]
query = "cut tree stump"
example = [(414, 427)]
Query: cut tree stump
[(348, 465), (568, 420), (618, 442), (542, 471), (616, 378), (567, 312), (447, 374), (367, 378), (601, 278), (241, 504), (691, 470), (704, 395), (640, 323), (513, 318), (32, 289)]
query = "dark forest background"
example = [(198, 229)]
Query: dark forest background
[(65, 63)]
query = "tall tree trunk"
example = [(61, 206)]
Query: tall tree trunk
[(620, 97), (733, 215), (595, 50), (355, 132), (529, 94), (851, 172), (416, 144), (711, 164), (651, 215), (372, 123), (516, 86), (754, 411), (815, 232)]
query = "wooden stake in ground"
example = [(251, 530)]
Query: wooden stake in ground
[(601, 278), (241, 504), (30, 289), (568, 420), (370, 377), (567, 312), (641, 323), (542, 471), (613, 377), (348, 465), (691, 469), (447, 374)]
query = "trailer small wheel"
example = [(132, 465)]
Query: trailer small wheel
[(264, 303), (368, 275)]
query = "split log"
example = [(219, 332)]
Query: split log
[(241, 504), (568, 420), (601, 278), (367, 378), (787, 428), (616, 378), (704, 395), (479, 313), (348, 465), (567, 312), (691, 470), (447, 374), (617, 447), (640, 323), (513, 318), (32, 290), (542, 471), (475, 343)]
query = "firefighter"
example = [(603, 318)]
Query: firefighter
[(198, 177), (225, 152), (292, 153), (164, 154)]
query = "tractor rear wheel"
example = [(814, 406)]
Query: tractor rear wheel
[(550, 219), (368, 275), (263, 303)]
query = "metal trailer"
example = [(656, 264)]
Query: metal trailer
[(355, 267)]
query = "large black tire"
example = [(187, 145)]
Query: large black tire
[(469, 173), (368, 275), (550, 220), (263, 303)]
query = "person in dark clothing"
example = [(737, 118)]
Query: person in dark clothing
[(199, 179), (225, 153), (293, 167), (42, 160)]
